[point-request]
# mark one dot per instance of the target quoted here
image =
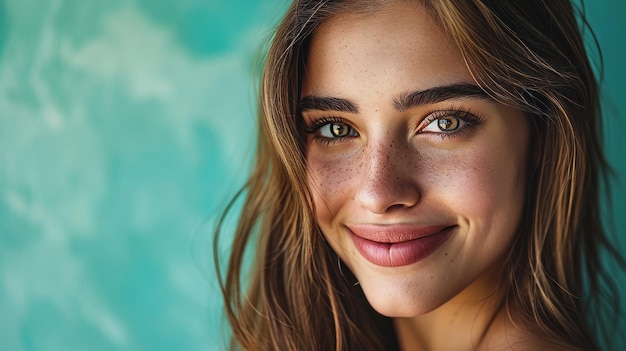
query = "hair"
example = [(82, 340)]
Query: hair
[(526, 54)]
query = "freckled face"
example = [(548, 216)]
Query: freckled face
[(418, 177)]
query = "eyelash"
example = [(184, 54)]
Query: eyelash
[(469, 119), (317, 124)]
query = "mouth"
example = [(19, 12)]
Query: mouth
[(398, 245)]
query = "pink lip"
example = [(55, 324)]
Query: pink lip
[(398, 245)]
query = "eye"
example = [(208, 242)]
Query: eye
[(451, 122), (330, 130), (336, 130), (445, 124)]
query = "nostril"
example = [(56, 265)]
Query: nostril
[(384, 192), (398, 206), (389, 178)]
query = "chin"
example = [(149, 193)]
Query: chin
[(401, 299), (400, 309)]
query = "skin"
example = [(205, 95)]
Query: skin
[(396, 167)]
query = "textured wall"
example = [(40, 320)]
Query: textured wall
[(124, 126)]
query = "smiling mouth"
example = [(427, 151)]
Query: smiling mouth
[(394, 246)]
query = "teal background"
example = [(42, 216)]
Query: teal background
[(124, 128)]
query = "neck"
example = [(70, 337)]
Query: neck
[(460, 324)]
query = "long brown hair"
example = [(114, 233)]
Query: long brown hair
[(527, 54)]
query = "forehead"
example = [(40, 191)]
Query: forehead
[(398, 45)]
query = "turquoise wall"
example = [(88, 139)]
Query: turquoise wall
[(124, 126)]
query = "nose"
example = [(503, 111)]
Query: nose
[(390, 179)]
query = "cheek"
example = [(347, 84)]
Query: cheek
[(470, 180), (487, 187), (331, 180)]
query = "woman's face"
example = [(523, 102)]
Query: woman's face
[(418, 176)]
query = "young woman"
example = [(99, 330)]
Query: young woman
[(427, 178)]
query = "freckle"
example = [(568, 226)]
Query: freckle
[(431, 277)]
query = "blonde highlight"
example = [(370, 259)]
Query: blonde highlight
[(298, 300)]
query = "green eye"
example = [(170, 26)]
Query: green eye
[(445, 124), (336, 130), (339, 129), (448, 124)]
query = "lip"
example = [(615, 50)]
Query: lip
[(398, 245)]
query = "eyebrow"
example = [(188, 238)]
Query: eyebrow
[(402, 103), (323, 103), (439, 94)]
